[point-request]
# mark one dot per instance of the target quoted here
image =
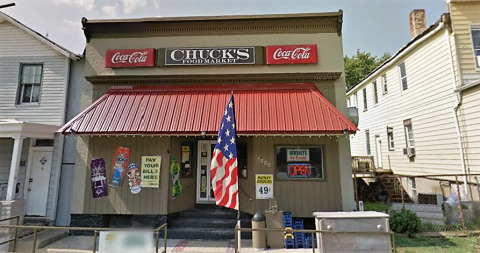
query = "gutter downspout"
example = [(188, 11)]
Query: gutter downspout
[(458, 97)]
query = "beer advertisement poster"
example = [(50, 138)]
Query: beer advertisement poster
[(120, 163), (151, 171)]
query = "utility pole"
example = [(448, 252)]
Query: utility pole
[(7, 5)]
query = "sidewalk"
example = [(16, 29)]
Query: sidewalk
[(84, 244)]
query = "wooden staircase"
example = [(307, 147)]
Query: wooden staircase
[(393, 187)]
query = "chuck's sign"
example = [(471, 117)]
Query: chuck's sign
[(125, 58), (210, 56), (291, 54)]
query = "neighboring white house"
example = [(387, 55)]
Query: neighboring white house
[(418, 111), (35, 74)]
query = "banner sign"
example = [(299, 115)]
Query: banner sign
[(134, 178), (299, 170), (126, 242), (98, 175), (298, 155), (264, 186), (120, 162), (210, 56), (151, 171), (291, 54), (126, 58)]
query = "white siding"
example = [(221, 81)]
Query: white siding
[(428, 101), (6, 148), (16, 47), (470, 122)]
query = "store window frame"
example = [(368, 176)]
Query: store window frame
[(391, 139), (240, 146), (322, 158), (403, 76), (475, 28), (35, 85)]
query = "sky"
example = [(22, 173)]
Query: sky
[(375, 26)]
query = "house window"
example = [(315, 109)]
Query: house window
[(355, 98), (409, 133), (294, 162), (365, 107), (375, 93), (403, 75), (384, 84), (30, 83), (476, 44), (391, 143), (367, 138)]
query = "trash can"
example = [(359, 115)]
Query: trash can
[(259, 240), (274, 220)]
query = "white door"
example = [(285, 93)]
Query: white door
[(378, 148), (39, 183), (204, 188)]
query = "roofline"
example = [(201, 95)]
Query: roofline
[(62, 50), (433, 29), (214, 18)]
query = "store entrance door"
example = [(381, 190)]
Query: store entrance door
[(204, 188)]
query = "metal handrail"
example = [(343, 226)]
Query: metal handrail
[(246, 194), (14, 240), (237, 229), (95, 234)]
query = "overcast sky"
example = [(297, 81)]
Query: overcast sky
[(375, 26)]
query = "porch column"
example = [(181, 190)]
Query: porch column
[(14, 166)]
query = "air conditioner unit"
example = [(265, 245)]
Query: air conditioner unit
[(405, 151)]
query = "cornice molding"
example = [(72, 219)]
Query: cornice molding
[(215, 79)]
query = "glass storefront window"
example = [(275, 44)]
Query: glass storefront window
[(299, 162)]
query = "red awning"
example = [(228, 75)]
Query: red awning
[(191, 110)]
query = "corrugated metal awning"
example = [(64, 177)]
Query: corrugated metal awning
[(191, 110)]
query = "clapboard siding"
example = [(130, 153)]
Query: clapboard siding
[(470, 123), (428, 101), (6, 148), (463, 14), (121, 200), (17, 47)]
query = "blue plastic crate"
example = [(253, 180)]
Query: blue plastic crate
[(289, 243)]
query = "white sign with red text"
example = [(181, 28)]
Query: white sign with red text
[(291, 54), (127, 58)]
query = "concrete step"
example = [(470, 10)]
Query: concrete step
[(208, 213), (203, 222), (44, 238), (204, 233)]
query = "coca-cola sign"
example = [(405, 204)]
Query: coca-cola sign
[(210, 56), (126, 58), (291, 54)]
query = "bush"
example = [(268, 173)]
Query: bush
[(404, 221)]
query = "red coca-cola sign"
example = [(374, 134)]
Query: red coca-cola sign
[(291, 54), (125, 58)]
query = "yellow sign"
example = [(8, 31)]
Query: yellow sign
[(264, 186), (151, 171)]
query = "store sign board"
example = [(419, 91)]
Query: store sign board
[(291, 54), (127, 58), (264, 186), (126, 242), (210, 56), (298, 155), (151, 171)]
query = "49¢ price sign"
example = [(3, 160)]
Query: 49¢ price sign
[(264, 186)]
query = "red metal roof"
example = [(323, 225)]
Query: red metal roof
[(187, 110)]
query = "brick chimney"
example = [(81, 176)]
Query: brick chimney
[(417, 22)]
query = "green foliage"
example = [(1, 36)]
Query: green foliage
[(358, 66), (373, 206), (405, 221)]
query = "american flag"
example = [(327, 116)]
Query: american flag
[(223, 171)]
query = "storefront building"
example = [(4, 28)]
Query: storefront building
[(158, 87)]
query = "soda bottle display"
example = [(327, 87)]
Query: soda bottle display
[(175, 171)]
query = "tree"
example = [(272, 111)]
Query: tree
[(358, 66)]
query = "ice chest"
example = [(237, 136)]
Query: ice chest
[(358, 222)]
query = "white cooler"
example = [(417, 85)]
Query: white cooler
[(353, 242)]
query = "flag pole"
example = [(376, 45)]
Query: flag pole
[(238, 186)]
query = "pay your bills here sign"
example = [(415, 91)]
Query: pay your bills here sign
[(291, 54)]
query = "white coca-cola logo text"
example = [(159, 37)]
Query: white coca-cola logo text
[(295, 54), (135, 57)]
